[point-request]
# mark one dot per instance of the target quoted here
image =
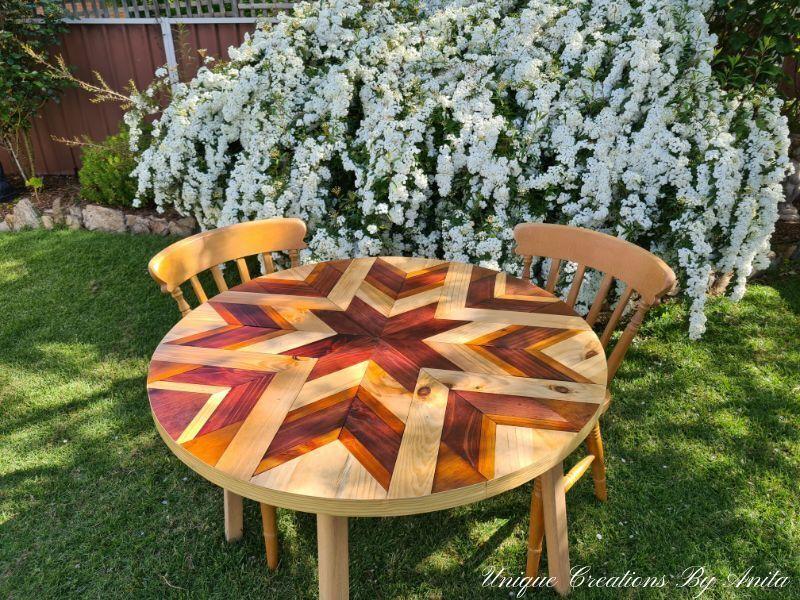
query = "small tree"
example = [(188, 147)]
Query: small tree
[(24, 85)]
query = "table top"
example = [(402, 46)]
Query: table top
[(377, 386)]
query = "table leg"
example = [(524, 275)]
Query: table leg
[(234, 520), (334, 583), (269, 521), (555, 527)]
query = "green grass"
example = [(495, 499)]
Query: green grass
[(702, 444)]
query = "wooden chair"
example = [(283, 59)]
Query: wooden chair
[(646, 277), (184, 260)]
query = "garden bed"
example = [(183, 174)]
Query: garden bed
[(60, 203)]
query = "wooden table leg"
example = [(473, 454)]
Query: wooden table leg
[(269, 521), (234, 521), (334, 583), (555, 527)]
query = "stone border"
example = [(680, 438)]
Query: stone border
[(94, 218)]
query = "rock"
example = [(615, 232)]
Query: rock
[(26, 216), (159, 226), (720, 284), (790, 191), (785, 251), (788, 213), (47, 221), (794, 146), (74, 217), (4, 227), (137, 224), (188, 221), (100, 218), (9, 220), (182, 227), (58, 211)]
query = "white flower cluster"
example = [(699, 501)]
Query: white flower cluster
[(394, 129)]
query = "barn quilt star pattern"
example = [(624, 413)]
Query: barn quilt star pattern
[(377, 378)]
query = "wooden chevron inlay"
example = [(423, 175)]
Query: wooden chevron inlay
[(422, 376)]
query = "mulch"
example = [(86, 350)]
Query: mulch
[(68, 189)]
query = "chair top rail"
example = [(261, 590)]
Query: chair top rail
[(650, 276), (177, 263)]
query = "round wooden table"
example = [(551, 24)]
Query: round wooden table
[(380, 386)]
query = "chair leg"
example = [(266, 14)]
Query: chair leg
[(536, 532), (594, 443), (234, 521), (269, 521)]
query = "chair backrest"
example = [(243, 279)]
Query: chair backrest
[(184, 260), (642, 273)]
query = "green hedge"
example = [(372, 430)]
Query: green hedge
[(105, 176)]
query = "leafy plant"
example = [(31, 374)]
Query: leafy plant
[(105, 176), (759, 49), (24, 87)]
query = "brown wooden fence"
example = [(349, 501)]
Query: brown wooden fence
[(119, 52)]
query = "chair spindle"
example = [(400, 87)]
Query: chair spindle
[(294, 256), (198, 289), (575, 288), (625, 339), (183, 306), (269, 264), (244, 272), (600, 298), (219, 279), (552, 276), (615, 316), (526, 267)]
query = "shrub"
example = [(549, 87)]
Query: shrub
[(756, 40), (105, 174), (24, 88), (433, 133)]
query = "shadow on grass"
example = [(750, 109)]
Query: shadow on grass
[(93, 504)]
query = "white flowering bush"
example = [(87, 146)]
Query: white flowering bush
[(392, 128)]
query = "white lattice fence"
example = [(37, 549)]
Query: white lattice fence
[(138, 9)]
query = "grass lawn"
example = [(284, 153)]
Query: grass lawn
[(702, 443)]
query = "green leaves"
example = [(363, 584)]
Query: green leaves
[(106, 172), (35, 183), (757, 39), (24, 85)]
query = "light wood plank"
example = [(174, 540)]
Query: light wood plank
[(277, 300), (416, 459), (411, 264), (288, 341), (582, 353), (330, 384), (248, 446), (345, 289), (509, 317), (375, 298), (203, 318), (455, 290), (356, 483), (387, 390), (200, 419), (520, 386), (402, 305), (215, 357)]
